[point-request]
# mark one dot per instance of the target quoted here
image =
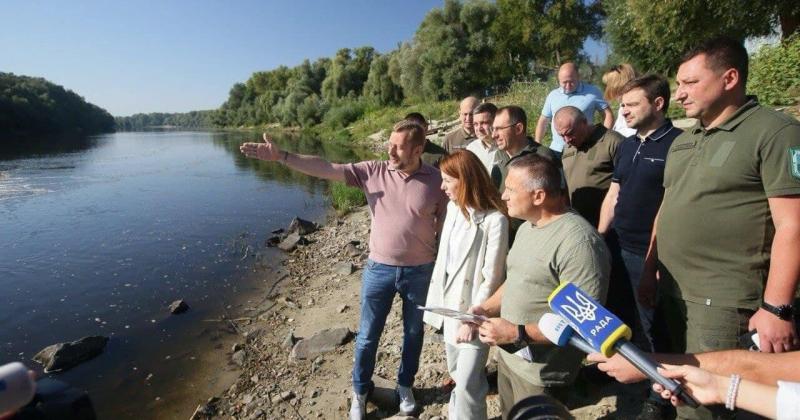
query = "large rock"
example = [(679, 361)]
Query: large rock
[(301, 227), (384, 395), (290, 243), (178, 307), (321, 342), (63, 356), (344, 268)]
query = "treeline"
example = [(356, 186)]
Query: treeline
[(475, 46), (33, 105), (193, 119)]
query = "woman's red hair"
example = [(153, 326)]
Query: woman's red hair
[(475, 189)]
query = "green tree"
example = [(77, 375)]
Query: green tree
[(379, 85), (654, 35)]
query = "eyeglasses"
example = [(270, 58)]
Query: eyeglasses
[(504, 127)]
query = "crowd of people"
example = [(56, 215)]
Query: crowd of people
[(691, 237)]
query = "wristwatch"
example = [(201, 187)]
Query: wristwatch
[(784, 312), (522, 337)]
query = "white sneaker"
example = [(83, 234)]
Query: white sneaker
[(407, 403), (358, 406)]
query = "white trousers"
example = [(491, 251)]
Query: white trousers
[(467, 368)]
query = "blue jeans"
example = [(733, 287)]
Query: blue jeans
[(379, 285), (634, 265)]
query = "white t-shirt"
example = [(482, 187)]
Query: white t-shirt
[(787, 403), (486, 155), (621, 127)]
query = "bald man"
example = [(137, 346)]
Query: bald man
[(572, 91), (464, 135)]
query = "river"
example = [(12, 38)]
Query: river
[(98, 238)]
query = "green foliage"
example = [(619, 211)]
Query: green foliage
[(344, 198), (530, 96), (193, 119), (654, 35), (379, 86), (34, 105), (343, 112), (775, 73)]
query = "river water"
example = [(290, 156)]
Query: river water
[(98, 237)]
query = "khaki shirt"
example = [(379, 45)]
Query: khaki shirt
[(502, 159), (715, 228), (457, 139), (433, 154), (588, 171), (566, 249)]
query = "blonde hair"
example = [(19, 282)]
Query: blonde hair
[(616, 78)]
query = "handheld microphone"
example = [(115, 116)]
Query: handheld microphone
[(16, 387), (608, 334), (557, 330)]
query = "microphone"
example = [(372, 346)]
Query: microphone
[(607, 334), (16, 387), (557, 330)]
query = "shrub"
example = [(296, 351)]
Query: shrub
[(775, 73), (344, 198)]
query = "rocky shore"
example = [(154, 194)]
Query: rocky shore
[(295, 346)]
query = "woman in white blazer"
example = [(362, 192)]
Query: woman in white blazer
[(470, 266)]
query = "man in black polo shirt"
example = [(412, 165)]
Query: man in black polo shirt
[(632, 201)]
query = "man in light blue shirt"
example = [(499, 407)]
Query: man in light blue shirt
[(572, 91)]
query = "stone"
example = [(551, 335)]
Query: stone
[(321, 342), (290, 243), (236, 347), (273, 241), (247, 398), (203, 411), (63, 356), (343, 308), (290, 340), (277, 231), (344, 268), (178, 307), (301, 227), (351, 250), (239, 357), (283, 396)]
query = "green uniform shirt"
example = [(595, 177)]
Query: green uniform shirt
[(433, 153), (566, 249), (589, 169), (715, 228), (500, 169), (457, 139)]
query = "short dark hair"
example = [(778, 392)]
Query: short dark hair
[(541, 173), (417, 117), (722, 53), (515, 115), (415, 131), (653, 85), (486, 107)]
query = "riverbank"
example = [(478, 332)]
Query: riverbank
[(316, 290)]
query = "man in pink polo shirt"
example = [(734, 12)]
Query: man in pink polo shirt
[(407, 208)]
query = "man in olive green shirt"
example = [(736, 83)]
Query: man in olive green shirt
[(728, 232), (588, 160), (554, 245), (510, 134), (465, 134)]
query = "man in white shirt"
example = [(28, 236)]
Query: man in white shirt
[(485, 148)]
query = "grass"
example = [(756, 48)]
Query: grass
[(530, 96), (384, 118), (344, 199)]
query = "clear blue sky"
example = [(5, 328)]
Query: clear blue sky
[(177, 56)]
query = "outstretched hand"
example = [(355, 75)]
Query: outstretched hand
[(703, 385), (267, 150)]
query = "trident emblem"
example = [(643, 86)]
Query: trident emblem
[(582, 310)]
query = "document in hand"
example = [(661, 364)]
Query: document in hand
[(452, 313)]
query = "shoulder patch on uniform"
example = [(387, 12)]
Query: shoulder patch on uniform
[(794, 161)]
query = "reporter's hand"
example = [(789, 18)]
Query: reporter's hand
[(617, 367), (267, 150), (774, 334), (704, 386)]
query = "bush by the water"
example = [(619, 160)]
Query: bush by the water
[(344, 198), (775, 73)]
